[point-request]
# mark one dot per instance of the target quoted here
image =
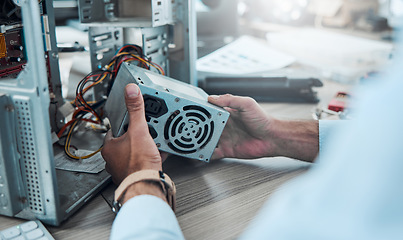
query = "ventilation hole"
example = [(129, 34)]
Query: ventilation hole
[(183, 145), (205, 132), (197, 115), (189, 130), (28, 150), (179, 150), (197, 108), (210, 135), (198, 133), (186, 139), (175, 127)]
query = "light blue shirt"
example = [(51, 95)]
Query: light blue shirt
[(146, 217), (353, 192)]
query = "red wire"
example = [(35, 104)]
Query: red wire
[(71, 122)]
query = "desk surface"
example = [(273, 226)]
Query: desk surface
[(215, 200)]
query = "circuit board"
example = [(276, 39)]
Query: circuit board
[(12, 52)]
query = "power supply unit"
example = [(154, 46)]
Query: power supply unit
[(180, 119)]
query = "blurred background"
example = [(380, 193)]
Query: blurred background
[(345, 41), (228, 19)]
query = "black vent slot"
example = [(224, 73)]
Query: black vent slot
[(197, 108)]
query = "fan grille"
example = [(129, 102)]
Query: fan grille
[(189, 130)]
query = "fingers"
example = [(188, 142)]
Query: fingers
[(108, 136), (232, 111), (217, 154), (107, 142), (231, 101), (135, 106), (164, 156)]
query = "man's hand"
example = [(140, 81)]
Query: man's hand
[(250, 133), (135, 150), (246, 134)]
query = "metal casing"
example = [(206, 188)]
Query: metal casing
[(167, 33), (140, 13), (11, 187), (30, 185), (180, 119)]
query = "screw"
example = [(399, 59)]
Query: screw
[(177, 99), (23, 199), (158, 145), (9, 108), (201, 156)]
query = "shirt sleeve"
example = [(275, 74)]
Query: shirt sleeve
[(146, 217), (326, 127), (354, 191)]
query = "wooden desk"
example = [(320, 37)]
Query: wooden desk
[(215, 200)]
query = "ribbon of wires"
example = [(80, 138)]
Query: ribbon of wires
[(85, 111)]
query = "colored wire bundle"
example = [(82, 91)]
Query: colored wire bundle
[(86, 111), (125, 54)]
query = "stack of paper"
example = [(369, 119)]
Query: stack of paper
[(246, 55)]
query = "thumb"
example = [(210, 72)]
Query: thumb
[(108, 136), (134, 104), (217, 154)]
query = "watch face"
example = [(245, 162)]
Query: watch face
[(116, 206)]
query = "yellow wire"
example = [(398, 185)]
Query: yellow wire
[(67, 145), (70, 133), (97, 82), (136, 57)]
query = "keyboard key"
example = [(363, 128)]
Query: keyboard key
[(19, 238), (28, 226), (11, 233), (34, 234), (44, 238), (30, 230)]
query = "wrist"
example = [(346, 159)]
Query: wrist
[(295, 139), (143, 188), (272, 138), (148, 181)]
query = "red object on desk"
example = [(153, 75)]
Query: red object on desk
[(339, 102)]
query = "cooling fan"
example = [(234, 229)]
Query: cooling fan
[(180, 120)]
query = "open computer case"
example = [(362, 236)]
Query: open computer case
[(30, 92)]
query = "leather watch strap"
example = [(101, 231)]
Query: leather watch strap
[(167, 185)]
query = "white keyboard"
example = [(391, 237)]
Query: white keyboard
[(26, 231)]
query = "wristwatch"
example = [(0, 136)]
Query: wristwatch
[(159, 177)]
